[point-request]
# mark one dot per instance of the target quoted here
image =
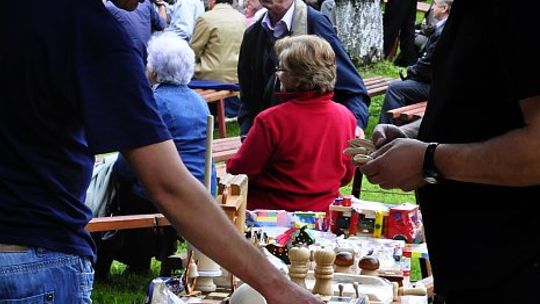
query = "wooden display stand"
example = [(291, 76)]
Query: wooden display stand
[(232, 195)]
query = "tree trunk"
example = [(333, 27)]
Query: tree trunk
[(360, 28)]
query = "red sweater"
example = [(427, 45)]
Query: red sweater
[(293, 154)]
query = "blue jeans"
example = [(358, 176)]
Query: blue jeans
[(232, 106), (36, 276)]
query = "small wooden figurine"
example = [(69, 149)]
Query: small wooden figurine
[(299, 257), (324, 272), (190, 276)]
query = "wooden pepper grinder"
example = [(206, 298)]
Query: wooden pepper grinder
[(299, 257), (344, 262), (324, 272), (369, 265)]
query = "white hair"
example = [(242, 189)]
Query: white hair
[(170, 58)]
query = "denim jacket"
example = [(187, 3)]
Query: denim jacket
[(184, 112)]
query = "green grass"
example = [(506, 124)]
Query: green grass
[(132, 290), (123, 289)]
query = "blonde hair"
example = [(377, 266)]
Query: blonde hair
[(310, 60)]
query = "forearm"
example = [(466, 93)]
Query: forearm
[(197, 217), (510, 159)]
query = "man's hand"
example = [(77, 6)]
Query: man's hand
[(397, 164), (385, 133)]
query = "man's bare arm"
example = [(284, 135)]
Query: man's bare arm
[(512, 159), (197, 217)]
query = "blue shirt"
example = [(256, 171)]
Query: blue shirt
[(185, 113), (183, 15), (139, 23), (72, 85)]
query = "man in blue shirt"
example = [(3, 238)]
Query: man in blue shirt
[(140, 23), (73, 86)]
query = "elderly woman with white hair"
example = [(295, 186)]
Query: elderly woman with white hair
[(293, 153), (170, 67)]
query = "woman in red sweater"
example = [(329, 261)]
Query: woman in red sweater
[(293, 154)]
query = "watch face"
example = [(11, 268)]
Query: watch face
[(430, 177), (430, 180)]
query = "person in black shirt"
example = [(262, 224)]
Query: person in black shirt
[(475, 163)]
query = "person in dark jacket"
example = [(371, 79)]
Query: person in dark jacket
[(398, 23), (416, 85), (257, 62)]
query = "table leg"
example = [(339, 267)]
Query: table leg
[(221, 118)]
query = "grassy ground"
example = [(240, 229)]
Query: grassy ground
[(123, 289)]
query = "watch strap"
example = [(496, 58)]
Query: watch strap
[(430, 172)]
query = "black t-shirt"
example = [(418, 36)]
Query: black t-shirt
[(72, 85), (481, 70)]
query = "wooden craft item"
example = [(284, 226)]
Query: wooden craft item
[(360, 150), (232, 196), (377, 290), (324, 272), (311, 263), (207, 270), (360, 159), (412, 291), (299, 257), (360, 142), (280, 252), (355, 286), (301, 238), (344, 262), (189, 279), (395, 288), (347, 300), (369, 265)]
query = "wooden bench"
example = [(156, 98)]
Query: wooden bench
[(233, 205), (407, 113), (377, 85), (225, 148), (219, 97)]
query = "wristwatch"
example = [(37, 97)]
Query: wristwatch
[(431, 174)]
